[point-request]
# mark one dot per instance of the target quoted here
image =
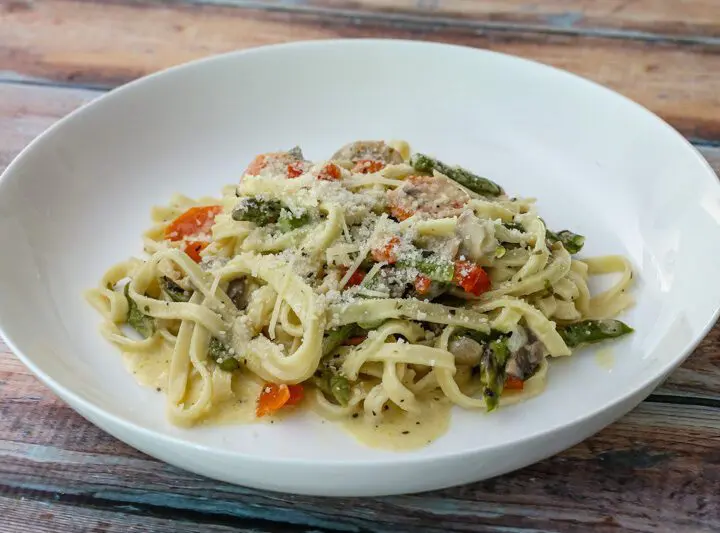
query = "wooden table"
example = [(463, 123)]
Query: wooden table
[(657, 469)]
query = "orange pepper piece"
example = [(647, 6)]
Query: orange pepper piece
[(330, 172), (297, 393), (471, 277), (275, 396), (193, 221), (193, 249), (355, 341), (272, 398), (513, 383), (368, 166), (422, 284), (388, 252)]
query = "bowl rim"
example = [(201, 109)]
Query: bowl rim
[(399, 459)]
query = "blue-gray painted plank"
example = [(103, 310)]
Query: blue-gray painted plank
[(613, 479), (28, 514)]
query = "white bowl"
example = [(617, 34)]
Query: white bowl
[(76, 200)]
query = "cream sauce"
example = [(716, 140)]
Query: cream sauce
[(240, 408), (150, 368), (394, 429), (398, 430), (605, 358)]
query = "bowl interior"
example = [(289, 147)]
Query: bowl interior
[(77, 200)]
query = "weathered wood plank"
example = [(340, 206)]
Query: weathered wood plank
[(49, 40), (611, 482), (700, 374), (23, 514), (635, 19), (693, 18), (27, 111)]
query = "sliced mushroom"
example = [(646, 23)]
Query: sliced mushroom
[(238, 293), (525, 362), (467, 351), (436, 196), (477, 236), (368, 150)]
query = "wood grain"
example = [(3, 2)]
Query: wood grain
[(699, 376), (108, 44), (51, 517), (692, 19), (611, 482)]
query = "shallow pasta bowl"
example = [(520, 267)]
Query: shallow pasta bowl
[(77, 199)]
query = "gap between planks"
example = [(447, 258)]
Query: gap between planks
[(419, 18), (692, 22), (48, 513)]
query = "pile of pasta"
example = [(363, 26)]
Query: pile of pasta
[(364, 283)]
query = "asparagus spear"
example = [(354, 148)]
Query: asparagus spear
[(478, 184), (219, 352), (289, 221), (430, 265), (333, 384), (254, 209), (590, 331), (296, 153), (492, 371), (514, 225), (140, 322), (328, 379), (174, 291), (572, 242), (264, 212), (336, 337), (340, 389)]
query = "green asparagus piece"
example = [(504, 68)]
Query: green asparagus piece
[(514, 225), (254, 209), (333, 384), (481, 337), (288, 221), (140, 322), (296, 153), (430, 265), (218, 352), (492, 371), (480, 185), (572, 242), (336, 337), (174, 291), (340, 389), (590, 331), (229, 365), (435, 269), (328, 379)]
